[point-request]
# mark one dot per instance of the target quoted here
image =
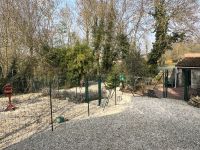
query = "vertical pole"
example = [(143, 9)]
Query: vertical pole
[(163, 84), (46, 84), (76, 92), (86, 95), (186, 84), (76, 87), (51, 106), (99, 90), (115, 90), (166, 83), (9, 99), (175, 77), (58, 84)]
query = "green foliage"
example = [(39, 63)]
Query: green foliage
[(119, 53), (13, 69), (176, 37), (79, 61), (161, 28), (20, 75), (152, 70), (2, 83), (163, 40), (55, 57), (109, 53), (71, 63), (136, 66), (122, 45), (97, 33), (103, 40), (113, 77)]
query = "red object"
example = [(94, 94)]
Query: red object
[(10, 107), (8, 93)]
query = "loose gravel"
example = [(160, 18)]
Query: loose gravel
[(146, 123)]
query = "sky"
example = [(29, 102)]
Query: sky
[(69, 2)]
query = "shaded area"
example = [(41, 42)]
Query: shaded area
[(175, 93)]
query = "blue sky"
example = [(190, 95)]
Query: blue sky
[(69, 2)]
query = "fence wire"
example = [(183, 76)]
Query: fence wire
[(33, 113)]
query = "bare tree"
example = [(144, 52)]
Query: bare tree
[(26, 26), (8, 38)]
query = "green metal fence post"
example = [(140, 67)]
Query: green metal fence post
[(58, 84), (77, 83), (186, 84), (166, 83), (99, 90), (50, 89), (163, 84), (87, 95), (115, 89)]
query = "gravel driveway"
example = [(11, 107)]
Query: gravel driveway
[(146, 123)]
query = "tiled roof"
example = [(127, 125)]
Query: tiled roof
[(190, 62)]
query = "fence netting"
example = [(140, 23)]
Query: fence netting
[(33, 112)]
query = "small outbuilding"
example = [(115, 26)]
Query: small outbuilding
[(189, 73)]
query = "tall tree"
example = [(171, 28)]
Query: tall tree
[(161, 29), (109, 53), (164, 15)]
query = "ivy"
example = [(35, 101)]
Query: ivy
[(163, 40)]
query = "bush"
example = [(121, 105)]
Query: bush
[(2, 83), (136, 67), (113, 77)]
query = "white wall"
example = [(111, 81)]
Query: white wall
[(180, 78), (195, 78)]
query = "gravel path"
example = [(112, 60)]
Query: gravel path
[(146, 123)]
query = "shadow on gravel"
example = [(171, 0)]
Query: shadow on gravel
[(59, 129)]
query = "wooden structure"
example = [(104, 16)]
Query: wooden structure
[(8, 93), (190, 68)]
